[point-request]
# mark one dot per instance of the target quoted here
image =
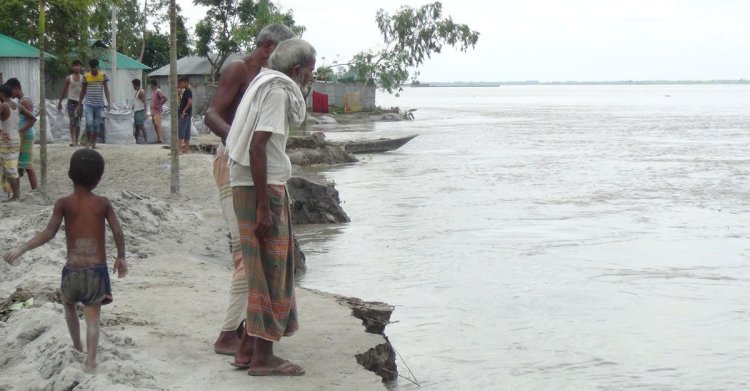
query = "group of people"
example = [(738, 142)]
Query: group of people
[(85, 95), (88, 94), (258, 99), (16, 138)]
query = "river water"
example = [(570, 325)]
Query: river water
[(553, 237)]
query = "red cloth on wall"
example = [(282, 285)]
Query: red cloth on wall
[(319, 102)]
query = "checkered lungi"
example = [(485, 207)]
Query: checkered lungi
[(269, 264)]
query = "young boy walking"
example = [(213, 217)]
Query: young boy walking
[(85, 277), (94, 90)]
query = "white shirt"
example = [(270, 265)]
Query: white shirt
[(138, 103), (272, 118), (10, 125)]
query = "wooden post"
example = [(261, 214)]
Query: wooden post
[(42, 101), (174, 104), (113, 61)]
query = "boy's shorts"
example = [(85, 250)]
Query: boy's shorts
[(86, 284), (93, 118), (75, 118), (183, 128), (139, 117)]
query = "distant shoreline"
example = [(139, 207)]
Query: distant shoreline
[(579, 83)]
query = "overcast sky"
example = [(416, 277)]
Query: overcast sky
[(552, 40)]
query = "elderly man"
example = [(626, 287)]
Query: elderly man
[(232, 85), (258, 170)]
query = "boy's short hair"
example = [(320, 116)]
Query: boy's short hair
[(76, 62), (184, 78), (93, 63), (136, 82), (13, 83), (154, 82), (5, 90), (86, 167)]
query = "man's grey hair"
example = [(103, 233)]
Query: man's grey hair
[(273, 34), (291, 53)]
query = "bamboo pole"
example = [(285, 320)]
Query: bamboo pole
[(174, 104), (113, 57), (42, 106)]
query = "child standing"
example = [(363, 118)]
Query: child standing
[(85, 277)]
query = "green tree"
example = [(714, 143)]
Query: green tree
[(263, 13), (156, 45), (230, 26), (129, 25), (411, 36), (66, 32)]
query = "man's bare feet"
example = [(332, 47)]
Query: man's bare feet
[(275, 366), (89, 367), (245, 352), (265, 363), (229, 341)]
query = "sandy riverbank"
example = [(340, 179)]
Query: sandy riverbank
[(159, 331)]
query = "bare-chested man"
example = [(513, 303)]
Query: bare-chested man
[(232, 85)]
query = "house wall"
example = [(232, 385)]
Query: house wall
[(26, 70), (121, 86), (337, 91)]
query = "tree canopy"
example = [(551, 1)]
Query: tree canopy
[(411, 36), (71, 26), (67, 32), (230, 26)]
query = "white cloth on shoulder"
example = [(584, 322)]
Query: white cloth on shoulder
[(246, 116)]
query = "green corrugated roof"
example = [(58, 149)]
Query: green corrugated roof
[(123, 62), (10, 47)]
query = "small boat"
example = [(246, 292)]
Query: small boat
[(376, 145)]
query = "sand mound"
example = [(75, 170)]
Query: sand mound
[(35, 337), (38, 345)]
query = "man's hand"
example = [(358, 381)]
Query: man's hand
[(121, 267), (5, 136), (263, 222), (59, 106), (106, 107), (12, 256)]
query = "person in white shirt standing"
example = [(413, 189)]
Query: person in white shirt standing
[(139, 111), (258, 171), (72, 89)]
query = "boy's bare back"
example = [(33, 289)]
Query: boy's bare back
[(84, 214)]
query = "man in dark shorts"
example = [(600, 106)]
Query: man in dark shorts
[(185, 114), (85, 277)]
